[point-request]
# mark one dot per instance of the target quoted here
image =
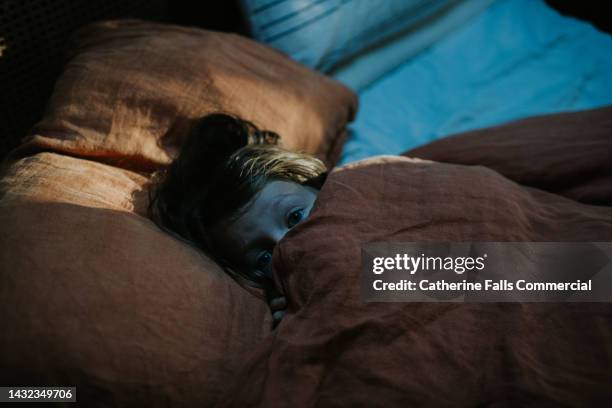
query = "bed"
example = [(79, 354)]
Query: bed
[(515, 59), (98, 297)]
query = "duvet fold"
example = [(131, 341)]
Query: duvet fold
[(542, 179)]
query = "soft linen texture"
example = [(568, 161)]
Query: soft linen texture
[(131, 90), (371, 64), (333, 349), (518, 58), (94, 295), (323, 34)]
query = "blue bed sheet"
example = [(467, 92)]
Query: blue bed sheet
[(516, 59)]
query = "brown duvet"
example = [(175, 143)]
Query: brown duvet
[(542, 179)]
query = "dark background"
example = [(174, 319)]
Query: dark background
[(33, 34)]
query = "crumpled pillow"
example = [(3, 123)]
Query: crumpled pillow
[(132, 90), (94, 295)]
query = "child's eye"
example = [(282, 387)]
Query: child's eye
[(295, 217), (263, 260)]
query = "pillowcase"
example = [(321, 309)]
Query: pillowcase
[(322, 33), (97, 297), (132, 90)]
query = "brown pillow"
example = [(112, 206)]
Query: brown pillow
[(93, 294), (131, 90)]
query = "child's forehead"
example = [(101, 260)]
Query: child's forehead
[(265, 212), (267, 203)]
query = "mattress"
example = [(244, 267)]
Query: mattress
[(518, 58)]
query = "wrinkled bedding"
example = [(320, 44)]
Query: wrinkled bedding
[(550, 182), (93, 294), (516, 59)]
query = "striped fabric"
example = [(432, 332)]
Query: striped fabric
[(322, 33)]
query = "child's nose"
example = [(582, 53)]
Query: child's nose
[(278, 234)]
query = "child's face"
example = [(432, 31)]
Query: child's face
[(248, 241)]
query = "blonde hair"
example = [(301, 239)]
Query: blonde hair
[(274, 162)]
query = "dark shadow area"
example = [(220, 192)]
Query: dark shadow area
[(593, 11)]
